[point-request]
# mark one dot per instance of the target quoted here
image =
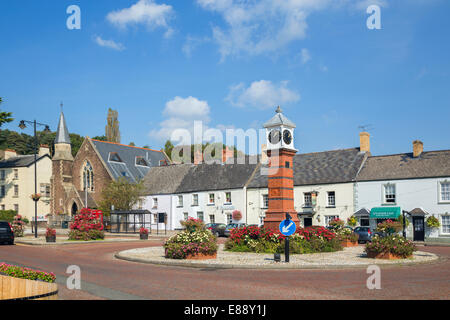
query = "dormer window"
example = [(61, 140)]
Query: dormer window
[(114, 156), (140, 161)]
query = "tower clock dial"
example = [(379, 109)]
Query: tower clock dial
[(274, 136), (287, 136)]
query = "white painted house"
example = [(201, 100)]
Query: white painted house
[(417, 182)]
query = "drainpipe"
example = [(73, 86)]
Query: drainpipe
[(245, 204)]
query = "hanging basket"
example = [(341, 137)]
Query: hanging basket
[(36, 196)]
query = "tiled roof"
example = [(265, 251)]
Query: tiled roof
[(20, 161), (165, 180), (326, 167), (405, 166), (127, 167)]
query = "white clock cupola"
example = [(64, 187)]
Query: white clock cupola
[(280, 132)]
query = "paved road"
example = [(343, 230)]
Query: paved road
[(104, 277)]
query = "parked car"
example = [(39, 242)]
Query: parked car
[(364, 233), (231, 226), (217, 229), (6, 233)]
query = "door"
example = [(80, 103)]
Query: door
[(419, 229), (307, 222)]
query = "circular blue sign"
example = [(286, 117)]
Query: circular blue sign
[(287, 227)]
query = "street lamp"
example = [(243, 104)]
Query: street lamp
[(22, 125)]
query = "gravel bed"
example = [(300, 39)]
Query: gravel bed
[(351, 257)]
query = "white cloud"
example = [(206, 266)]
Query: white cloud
[(109, 43), (192, 43), (305, 56), (146, 12), (262, 94)]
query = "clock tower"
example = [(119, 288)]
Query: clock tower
[(280, 151)]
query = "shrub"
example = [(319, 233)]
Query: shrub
[(389, 226), (187, 243), (50, 232), (337, 223), (433, 222), (192, 225), (86, 226), (352, 221), (143, 231), (394, 244), (347, 234), (7, 215), (18, 226), (26, 273)]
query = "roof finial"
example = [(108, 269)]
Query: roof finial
[(278, 110), (61, 105)]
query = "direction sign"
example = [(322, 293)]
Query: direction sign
[(287, 227)]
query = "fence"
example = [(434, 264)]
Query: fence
[(23, 289)]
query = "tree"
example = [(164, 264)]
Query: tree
[(132, 144), (100, 138), (168, 147), (112, 127), (5, 117), (121, 194)]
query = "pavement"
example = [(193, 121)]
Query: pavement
[(105, 277)]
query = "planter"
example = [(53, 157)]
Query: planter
[(347, 243), (201, 256), (143, 236), (384, 255), (24, 289), (50, 239)]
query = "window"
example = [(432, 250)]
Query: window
[(2, 191), (331, 199), (3, 207), (45, 190), (16, 190), (389, 193), (2, 175), (186, 216), (229, 218), (200, 216), (445, 224), (180, 201), (114, 156), (88, 177), (211, 198), (16, 174), (228, 197), (16, 208), (155, 203), (195, 199), (308, 199), (445, 191), (212, 218), (140, 161), (328, 219), (265, 200)]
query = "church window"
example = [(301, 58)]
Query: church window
[(88, 177)]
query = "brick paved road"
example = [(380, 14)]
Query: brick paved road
[(104, 277)]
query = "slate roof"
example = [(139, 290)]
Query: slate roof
[(187, 178), (62, 134), (405, 166), (127, 167), (20, 161), (279, 119), (337, 166)]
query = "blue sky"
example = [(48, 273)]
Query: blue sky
[(164, 63)]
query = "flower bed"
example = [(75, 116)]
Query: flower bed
[(392, 245), (194, 243), (86, 226), (26, 273), (260, 240)]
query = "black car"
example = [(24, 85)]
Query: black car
[(6, 233), (217, 229), (364, 233)]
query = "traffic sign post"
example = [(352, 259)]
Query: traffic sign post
[(287, 228)]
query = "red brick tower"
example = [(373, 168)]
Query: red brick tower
[(281, 151)]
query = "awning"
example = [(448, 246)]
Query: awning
[(385, 213)]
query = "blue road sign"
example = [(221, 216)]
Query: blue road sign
[(287, 227)]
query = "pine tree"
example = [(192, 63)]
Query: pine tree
[(5, 117), (112, 127)]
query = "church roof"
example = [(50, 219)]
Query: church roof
[(62, 134), (130, 162), (279, 119)]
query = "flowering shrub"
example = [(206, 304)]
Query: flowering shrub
[(86, 226), (347, 234), (26, 273), (18, 226), (394, 244), (187, 243), (50, 232), (261, 240), (389, 226), (192, 224), (143, 231), (352, 221), (337, 223), (433, 222)]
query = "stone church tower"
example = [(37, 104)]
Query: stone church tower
[(62, 169)]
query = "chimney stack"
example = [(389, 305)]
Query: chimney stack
[(417, 148), (227, 154), (364, 142), (43, 150), (198, 157), (7, 154)]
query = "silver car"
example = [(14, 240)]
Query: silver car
[(231, 226)]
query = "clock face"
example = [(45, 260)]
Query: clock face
[(274, 136), (287, 137)]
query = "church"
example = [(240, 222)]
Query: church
[(77, 182)]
